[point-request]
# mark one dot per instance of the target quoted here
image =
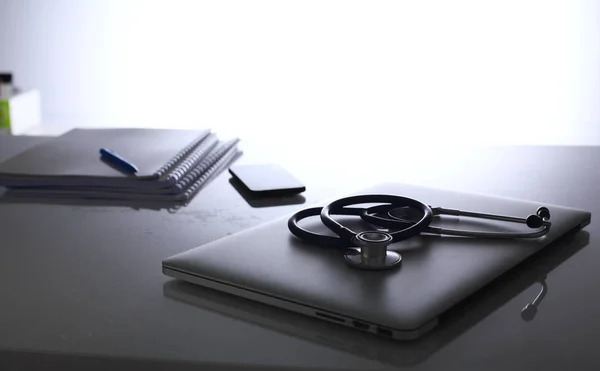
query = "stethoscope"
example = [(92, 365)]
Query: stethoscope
[(405, 218)]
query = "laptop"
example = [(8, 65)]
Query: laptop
[(270, 265), (453, 323)]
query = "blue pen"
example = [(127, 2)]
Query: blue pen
[(115, 159)]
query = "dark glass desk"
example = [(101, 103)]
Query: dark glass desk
[(81, 284)]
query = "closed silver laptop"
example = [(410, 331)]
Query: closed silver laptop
[(268, 264)]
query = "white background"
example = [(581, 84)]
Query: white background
[(401, 71)]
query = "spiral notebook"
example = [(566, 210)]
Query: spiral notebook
[(163, 157), (183, 192), (214, 155)]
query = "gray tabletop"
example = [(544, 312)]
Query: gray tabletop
[(81, 284)]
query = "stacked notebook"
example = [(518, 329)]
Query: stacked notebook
[(172, 164)]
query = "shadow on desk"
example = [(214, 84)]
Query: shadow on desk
[(452, 324), (254, 201)]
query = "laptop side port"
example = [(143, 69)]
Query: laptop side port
[(384, 332), (330, 317), (360, 325)]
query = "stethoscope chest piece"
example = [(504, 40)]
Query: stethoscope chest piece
[(372, 253)]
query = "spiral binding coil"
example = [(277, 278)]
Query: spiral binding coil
[(182, 154)]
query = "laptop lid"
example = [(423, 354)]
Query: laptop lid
[(268, 264)]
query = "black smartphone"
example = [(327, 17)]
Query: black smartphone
[(266, 180)]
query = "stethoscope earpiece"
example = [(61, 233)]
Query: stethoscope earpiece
[(539, 219), (534, 221), (543, 213)]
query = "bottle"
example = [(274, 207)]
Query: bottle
[(6, 85)]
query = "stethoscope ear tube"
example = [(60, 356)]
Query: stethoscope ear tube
[(538, 221)]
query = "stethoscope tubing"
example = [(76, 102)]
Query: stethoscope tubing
[(403, 229), (317, 238), (369, 216), (409, 231)]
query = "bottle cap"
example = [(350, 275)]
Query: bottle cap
[(6, 78)]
